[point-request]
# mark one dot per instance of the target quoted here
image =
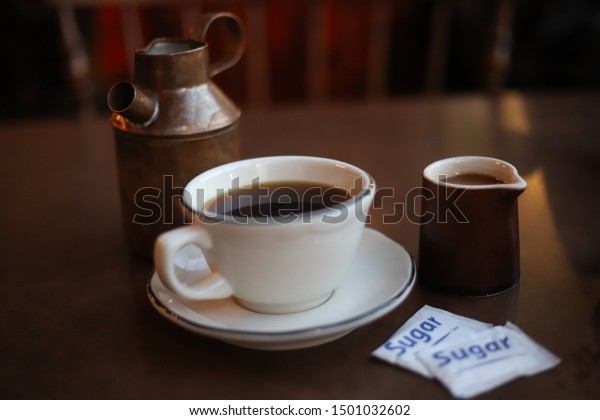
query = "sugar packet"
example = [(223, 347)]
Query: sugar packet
[(486, 359), (428, 328)]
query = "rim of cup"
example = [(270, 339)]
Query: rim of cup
[(191, 199)]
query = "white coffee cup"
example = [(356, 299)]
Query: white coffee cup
[(269, 265)]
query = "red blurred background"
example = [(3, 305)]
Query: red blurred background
[(554, 44)]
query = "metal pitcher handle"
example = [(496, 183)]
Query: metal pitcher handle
[(234, 50)]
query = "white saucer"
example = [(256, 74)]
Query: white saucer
[(381, 277)]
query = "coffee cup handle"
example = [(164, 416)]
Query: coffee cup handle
[(166, 247)]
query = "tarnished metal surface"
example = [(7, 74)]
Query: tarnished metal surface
[(171, 124), (153, 172)]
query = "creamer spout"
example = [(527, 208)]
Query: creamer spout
[(515, 182), (138, 105)]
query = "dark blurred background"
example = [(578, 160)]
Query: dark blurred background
[(60, 54)]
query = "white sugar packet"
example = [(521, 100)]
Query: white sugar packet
[(428, 328), (486, 359)]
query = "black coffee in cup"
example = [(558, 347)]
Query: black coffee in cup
[(276, 199)]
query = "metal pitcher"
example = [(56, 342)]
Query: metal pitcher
[(171, 124)]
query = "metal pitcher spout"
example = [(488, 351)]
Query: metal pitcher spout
[(138, 105)]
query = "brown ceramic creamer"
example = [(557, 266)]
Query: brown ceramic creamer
[(171, 124), (469, 234)]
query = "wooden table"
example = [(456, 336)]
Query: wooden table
[(75, 321)]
